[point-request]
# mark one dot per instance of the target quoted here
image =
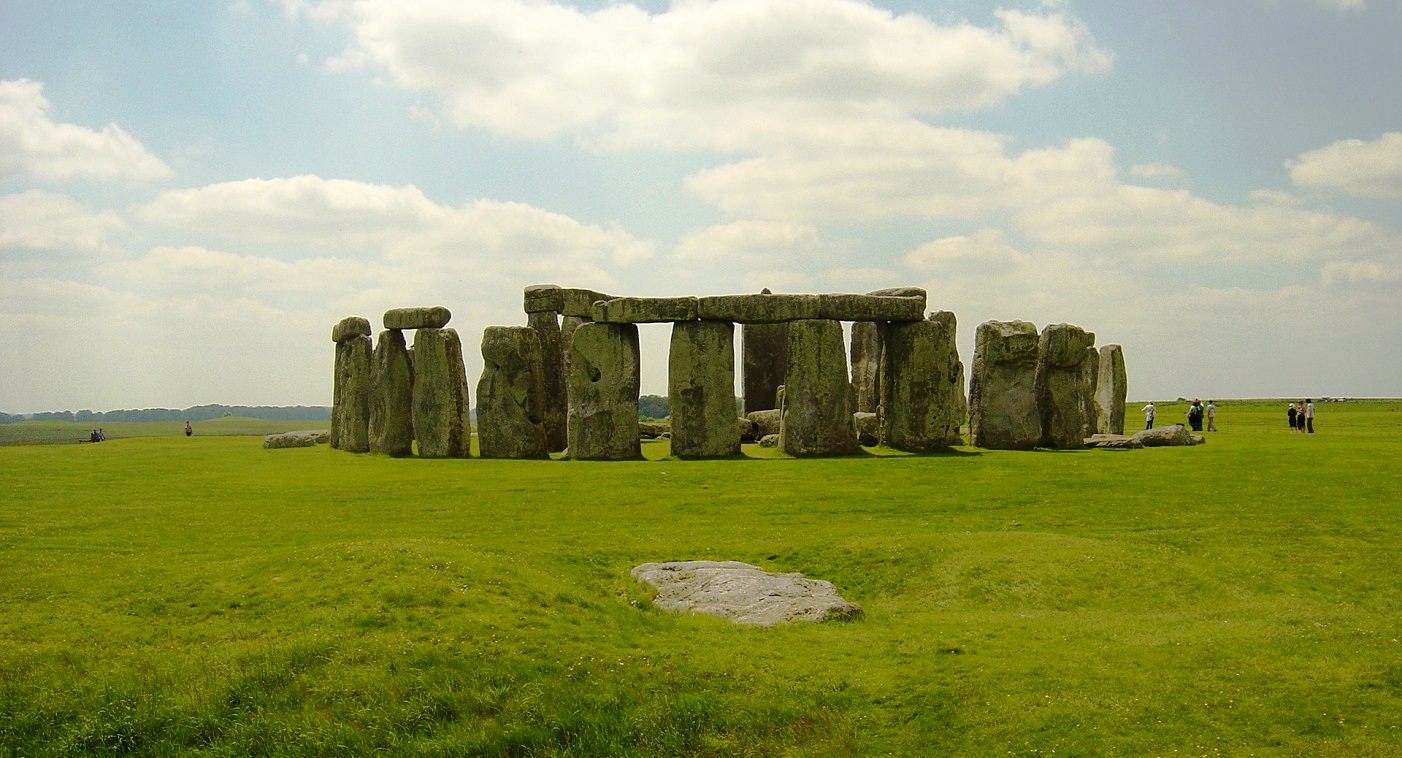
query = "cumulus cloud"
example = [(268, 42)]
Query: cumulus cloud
[(34, 147), (38, 221), (729, 74), (750, 242), (1354, 167)]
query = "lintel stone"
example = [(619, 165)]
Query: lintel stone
[(871, 308), (540, 298), (580, 302), (644, 310), (757, 309), (428, 317), (350, 327)]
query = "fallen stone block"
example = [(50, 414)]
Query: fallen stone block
[(743, 593)]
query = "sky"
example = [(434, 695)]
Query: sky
[(193, 194)]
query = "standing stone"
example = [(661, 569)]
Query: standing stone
[(1111, 388), (866, 364), (440, 395), (817, 410), (392, 397), (922, 385), (1002, 387), (604, 379), (764, 358), (1090, 372), (511, 396), (350, 411), (555, 406), (701, 390), (1062, 391)]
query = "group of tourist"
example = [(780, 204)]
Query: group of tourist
[(97, 436), (1197, 415), (1301, 416)]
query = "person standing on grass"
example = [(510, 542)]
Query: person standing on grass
[(1149, 411), (189, 430), (1309, 415), (1290, 413), (1211, 416)]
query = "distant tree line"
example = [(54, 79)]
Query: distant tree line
[(194, 413), (653, 406)]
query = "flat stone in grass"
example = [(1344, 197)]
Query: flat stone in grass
[(743, 593), (301, 438)]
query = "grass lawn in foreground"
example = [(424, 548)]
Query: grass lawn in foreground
[(172, 596)]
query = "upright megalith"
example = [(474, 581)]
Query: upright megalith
[(350, 398), (866, 364), (1090, 371), (922, 385), (1002, 387), (511, 395), (701, 390), (392, 396), (604, 378), (1063, 392), (1111, 388), (440, 395), (817, 407), (554, 402)]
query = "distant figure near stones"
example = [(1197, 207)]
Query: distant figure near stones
[(189, 430), (511, 397), (350, 401), (1062, 385), (1002, 387)]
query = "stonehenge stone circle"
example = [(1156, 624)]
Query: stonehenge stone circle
[(701, 390), (1063, 392), (511, 395), (350, 399), (432, 317), (604, 378), (817, 409), (392, 397), (440, 395), (923, 381), (1003, 411), (1111, 388)]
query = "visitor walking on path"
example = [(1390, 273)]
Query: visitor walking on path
[(1309, 415), (1211, 416), (1149, 411), (1195, 415)]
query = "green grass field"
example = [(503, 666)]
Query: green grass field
[(173, 596)]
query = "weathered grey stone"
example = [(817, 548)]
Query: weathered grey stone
[(1113, 442), (1111, 388), (511, 397), (392, 397), (302, 438), (1002, 387), (427, 317), (604, 377), (868, 428), (555, 411), (843, 307), (902, 292), (701, 390), (743, 593), (922, 385), (1062, 390), (440, 395), (764, 357), (644, 310), (540, 298), (769, 440), (350, 405), (350, 327), (1090, 370), (866, 364), (766, 422), (580, 302), (1174, 435), (746, 429), (652, 430), (758, 309), (817, 411)]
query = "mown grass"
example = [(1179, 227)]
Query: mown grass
[(167, 596), (76, 432)]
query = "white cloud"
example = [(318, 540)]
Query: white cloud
[(34, 147), (1366, 169), (42, 221), (733, 74), (750, 242), (1154, 171)]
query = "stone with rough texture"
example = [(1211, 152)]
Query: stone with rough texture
[(1113, 442), (868, 428), (845, 307), (392, 397), (301, 438), (511, 394), (1111, 388), (922, 385), (766, 422), (1090, 372), (757, 309), (746, 429), (580, 302), (769, 440), (350, 402), (1174, 435), (440, 395), (743, 593), (1002, 387), (764, 357), (1063, 392), (350, 327), (866, 364), (902, 292), (644, 310), (540, 298), (426, 317), (817, 410), (604, 377), (701, 390), (555, 411)]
